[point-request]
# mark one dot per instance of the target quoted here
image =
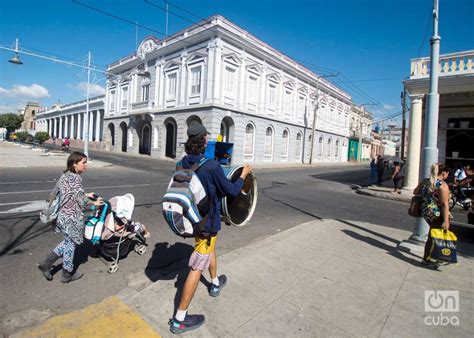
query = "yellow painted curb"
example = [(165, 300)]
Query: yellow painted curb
[(109, 318)]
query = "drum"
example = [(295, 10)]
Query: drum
[(239, 210)]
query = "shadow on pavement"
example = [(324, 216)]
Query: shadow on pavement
[(390, 249), (31, 231), (390, 239), (169, 263)]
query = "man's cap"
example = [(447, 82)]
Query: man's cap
[(196, 129)]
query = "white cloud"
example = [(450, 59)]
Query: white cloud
[(387, 106), (94, 90), (4, 92), (34, 91)]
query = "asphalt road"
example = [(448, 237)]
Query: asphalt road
[(286, 197)]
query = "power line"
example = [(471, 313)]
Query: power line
[(134, 23), (426, 33)]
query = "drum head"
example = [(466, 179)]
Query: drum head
[(239, 210)]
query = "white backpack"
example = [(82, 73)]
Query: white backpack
[(185, 204)]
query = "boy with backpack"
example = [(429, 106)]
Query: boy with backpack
[(216, 186)]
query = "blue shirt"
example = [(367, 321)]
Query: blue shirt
[(216, 185)]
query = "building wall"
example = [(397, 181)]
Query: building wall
[(29, 114), (243, 84)]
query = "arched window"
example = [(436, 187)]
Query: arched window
[(320, 146), (268, 151), (249, 141), (284, 144), (328, 149), (336, 154), (298, 146)]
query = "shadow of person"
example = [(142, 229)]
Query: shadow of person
[(169, 262), (166, 260), (391, 250)]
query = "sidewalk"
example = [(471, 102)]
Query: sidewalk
[(321, 278), (385, 191), (14, 155)]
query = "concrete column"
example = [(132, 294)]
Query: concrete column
[(414, 142), (91, 124), (71, 126), (97, 126), (262, 101), (242, 81), (160, 83), (80, 126), (209, 71), (182, 81), (61, 128), (217, 84)]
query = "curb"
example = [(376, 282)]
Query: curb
[(386, 196)]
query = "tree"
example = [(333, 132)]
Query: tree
[(10, 122), (41, 136)]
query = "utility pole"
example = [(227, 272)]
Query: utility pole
[(86, 115), (430, 150), (404, 111), (315, 115), (359, 153), (313, 129), (304, 131)]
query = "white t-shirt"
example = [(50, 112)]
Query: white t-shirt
[(460, 174)]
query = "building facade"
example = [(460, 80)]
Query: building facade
[(236, 85), (68, 120), (456, 111), (360, 139), (29, 114)]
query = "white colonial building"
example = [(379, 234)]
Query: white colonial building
[(68, 120), (456, 111), (236, 85)]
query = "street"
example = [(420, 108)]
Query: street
[(286, 198)]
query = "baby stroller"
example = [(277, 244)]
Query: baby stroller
[(118, 233)]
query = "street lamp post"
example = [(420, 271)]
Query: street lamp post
[(313, 128), (16, 60), (430, 150)]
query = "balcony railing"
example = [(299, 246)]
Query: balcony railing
[(449, 64)]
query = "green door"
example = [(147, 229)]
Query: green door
[(353, 150)]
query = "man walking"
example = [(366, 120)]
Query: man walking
[(216, 185)]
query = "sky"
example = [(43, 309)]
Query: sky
[(367, 43)]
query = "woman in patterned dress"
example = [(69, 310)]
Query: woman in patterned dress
[(70, 220), (434, 205)]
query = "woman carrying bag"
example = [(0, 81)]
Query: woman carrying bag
[(70, 219), (434, 205)]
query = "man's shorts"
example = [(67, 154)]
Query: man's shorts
[(203, 251)]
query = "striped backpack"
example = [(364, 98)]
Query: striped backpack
[(185, 204)]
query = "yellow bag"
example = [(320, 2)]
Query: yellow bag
[(443, 246)]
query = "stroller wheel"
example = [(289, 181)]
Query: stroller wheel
[(112, 268), (140, 249)]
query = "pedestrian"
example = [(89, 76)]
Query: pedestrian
[(434, 205), (217, 186), (70, 220), (380, 169), (373, 172), (397, 177)]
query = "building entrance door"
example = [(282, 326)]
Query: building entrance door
[(170, 139)]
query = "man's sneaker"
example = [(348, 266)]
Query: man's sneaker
[(190, 322), (215, 290)]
